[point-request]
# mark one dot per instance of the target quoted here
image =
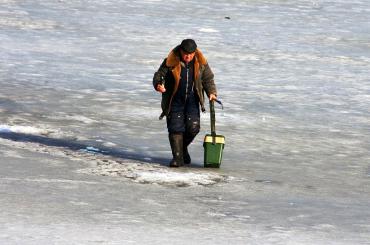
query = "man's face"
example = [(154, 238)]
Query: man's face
[(187, 57)]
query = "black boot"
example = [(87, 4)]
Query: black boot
[(187, 140), (187, 159), (176, 142)]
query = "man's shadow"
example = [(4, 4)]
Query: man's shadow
[(83, 146)]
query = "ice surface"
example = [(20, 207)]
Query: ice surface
[(294, 80)]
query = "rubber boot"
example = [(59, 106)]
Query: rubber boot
[(187, 159), (187, 140), (176, 142)]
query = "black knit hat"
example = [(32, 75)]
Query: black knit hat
[(188, 45)]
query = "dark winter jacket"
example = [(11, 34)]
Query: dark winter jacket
[(169, 74)]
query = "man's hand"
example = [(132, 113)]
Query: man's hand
[(212, 97), (160, 88)]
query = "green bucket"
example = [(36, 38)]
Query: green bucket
[(213, 149), (213, 144)]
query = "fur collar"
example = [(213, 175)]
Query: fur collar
[(173, 58)]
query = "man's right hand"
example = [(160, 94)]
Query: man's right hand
[(160, 88)]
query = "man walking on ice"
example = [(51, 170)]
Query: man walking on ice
[(182, 78)]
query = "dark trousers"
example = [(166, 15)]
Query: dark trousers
[(185, 118)]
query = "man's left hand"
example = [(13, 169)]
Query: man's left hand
[(212, 97)]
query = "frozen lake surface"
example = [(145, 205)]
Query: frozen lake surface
[(83, 154)]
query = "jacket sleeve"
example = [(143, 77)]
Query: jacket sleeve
[(208, 81), (160, 74)]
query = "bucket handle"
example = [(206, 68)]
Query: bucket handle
[(213, 118)]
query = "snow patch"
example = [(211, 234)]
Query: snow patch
[(80, 118), (27, 23), (180, 179), (208, 30), (109, 144), (44, 180), (23, 130), (146, 173), (324, 227)]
